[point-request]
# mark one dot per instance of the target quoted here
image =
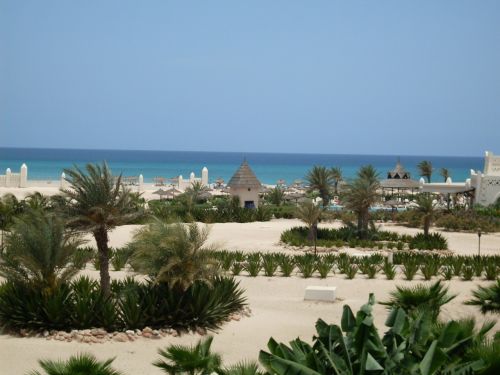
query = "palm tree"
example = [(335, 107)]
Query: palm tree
[(197, 360), (40, 251), (80, 364), (320, 178), (276, 196), (422, 297), (96, 203), (197, 190), (37, 201), (173, 253), (337, 177), (426, 207), (361, 194), (445, 173), (10, 207), (487, 298), (310, 214), (425, 169)]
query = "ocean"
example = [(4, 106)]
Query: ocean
[(48, 164)]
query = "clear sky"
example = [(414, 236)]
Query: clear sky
[(370, 77)]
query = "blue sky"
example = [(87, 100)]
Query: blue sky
[(370, 77)]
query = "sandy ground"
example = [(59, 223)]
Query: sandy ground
[(277, 303)]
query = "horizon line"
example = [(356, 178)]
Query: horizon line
[(238, 152)]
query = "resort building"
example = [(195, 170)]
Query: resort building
[(245, 185), (483, 187), (16, 180), (399, 180)]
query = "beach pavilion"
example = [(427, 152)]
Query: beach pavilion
[(245, 185), (399, 181)]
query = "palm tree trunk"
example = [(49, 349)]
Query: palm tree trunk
[(101, 238), (427, 224)]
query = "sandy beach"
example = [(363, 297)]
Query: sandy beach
[(277, 304)]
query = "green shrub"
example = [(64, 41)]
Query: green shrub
[(429, 269), (447, 272), (270, 264), (80, 305), (82, 256), (487, 298), (433, 241), (287, 265), (351, 271), (491, 271), (467, 273), (78, 364), (236, 268), (120, 258), (324, 267), (410, 268), (420, 298), (253, 265), (389, 270), (306, 265)]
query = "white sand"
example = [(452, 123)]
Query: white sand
[(277, 304)]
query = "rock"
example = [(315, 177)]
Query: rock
[(236, 317), (121, 337), (147, 335), (201, 331), (94, 340), (138, 332), (78, 337), (156, 332), (175, 333), (98, 332), (147, 329), (45, 333), (130, 332)]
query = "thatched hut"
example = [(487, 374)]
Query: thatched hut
[(245, 185)]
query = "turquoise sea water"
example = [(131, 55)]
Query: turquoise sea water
[(48, 164)]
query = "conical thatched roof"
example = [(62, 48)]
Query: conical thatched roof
[(398, 172), (244, 178)]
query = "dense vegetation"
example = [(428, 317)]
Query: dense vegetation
[(416, 342), (375, 239)]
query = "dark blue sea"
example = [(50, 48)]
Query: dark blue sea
[(48, 164)]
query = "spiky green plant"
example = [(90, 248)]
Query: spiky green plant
[(324, 267), (410, 268), (491, 271), (174, 253), (96, 202), (236, 268), (39, 251), (426, 207), (420, 297), (192, 360), (487, 298), (287, 265), (447, 272), (269, 264), (253, 266), (467, 273), (351, 271), (389, 270), (429, 269), (310, 214), (306, 265), (79, 364)]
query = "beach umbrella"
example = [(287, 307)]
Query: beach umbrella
[(294, 197), (172, 191), (160, 192)]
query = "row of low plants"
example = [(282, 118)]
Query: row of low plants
[(80, 304), (347, 236), (416, 342), (408, 264)]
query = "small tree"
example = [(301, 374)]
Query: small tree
[(361, 194), (320, 178), (425, 169), (337, 177), (310, 214), (39, 251), (173, 253), (426, 207), (96, 203), (276, 196)]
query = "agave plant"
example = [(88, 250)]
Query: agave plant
[(269, 264), (487, 298), (79, 364), (287, 265), (389, 270), (420, 297)]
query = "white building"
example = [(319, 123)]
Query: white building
[(485, 186)]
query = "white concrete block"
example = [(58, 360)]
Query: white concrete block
[(321, 293)]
